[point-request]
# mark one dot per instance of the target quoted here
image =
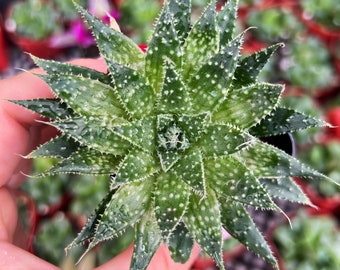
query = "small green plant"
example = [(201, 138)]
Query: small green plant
[(305, 62), (310, 243), (308, 65), (275, 24), (65, 8), (36, 20), (138, 14), (326, 12), (325, 158), (177, 130)]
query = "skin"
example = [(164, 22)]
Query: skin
[(20, 134)]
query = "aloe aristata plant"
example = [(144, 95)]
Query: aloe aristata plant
[(176, 130)]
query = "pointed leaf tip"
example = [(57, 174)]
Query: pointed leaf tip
[(282, 120), (108, 40), (171, 200), (147, 241), (201, 42), (239, 224), (226, 20), (164, 44), (250, 67), (203, 220)]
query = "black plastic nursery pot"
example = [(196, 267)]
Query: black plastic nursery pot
[(284, 142)]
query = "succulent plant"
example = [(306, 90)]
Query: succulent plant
[(177, 132), (312, 242), (34, 19)]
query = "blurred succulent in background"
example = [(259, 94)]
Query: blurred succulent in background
[(56, 21), (34, 19), (308, 65), (138, 17), (274, 24), (311, 242), (325, 12), (324, 158), (305, 62)]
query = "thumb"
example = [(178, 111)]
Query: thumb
[(161, 260)]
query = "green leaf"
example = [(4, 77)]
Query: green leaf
[(140, 133), (201, 43), (203, 220), (180, 11), (136, 166), (85, 96), (89, 229), (282, 120), (250, 67), (114, 46), (193, 125), (86, 162), (48, 107), (123, 210), (147, 240), (266, 161), (174, 96), (164, 45), (168, 159), (180, 244), (190, 169), (246, 106), (232, 180), (57, 68), (211, 82), (171, 200), (134, 91), (286, 189), (59, 147), (239, 224), (94, 134), (226, 21), (222, 140)]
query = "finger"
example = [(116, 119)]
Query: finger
[(36, 136), (8, 216), (14, 140), (161, 260), (12, 257), (22, 86), (121, 262)]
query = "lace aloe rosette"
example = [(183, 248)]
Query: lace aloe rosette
[(176, 130)]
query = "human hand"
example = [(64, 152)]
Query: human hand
[(21, 133)]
